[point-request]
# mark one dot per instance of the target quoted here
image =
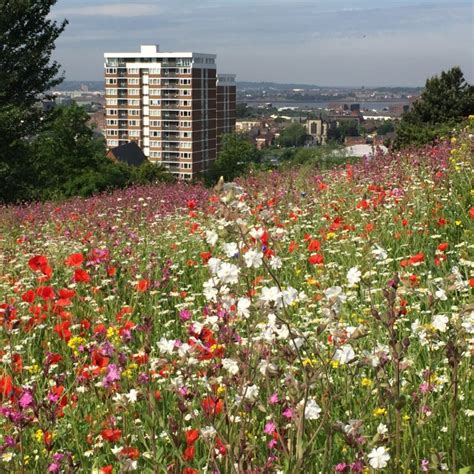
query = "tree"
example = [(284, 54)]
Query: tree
[(27, 39), (293, 135), (234, 158), (446, 100), (68, 159)]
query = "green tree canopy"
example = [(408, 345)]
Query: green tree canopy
[(293, 135), (234, 158), (445, 101)]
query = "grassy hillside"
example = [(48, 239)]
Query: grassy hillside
[(314, 323)]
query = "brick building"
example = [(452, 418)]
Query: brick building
[(173, 105)]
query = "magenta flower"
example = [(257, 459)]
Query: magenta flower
[(269, 428), (288, 413), (26, 400), (273, 399)]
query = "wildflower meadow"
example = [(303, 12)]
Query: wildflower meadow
[(292, 322)]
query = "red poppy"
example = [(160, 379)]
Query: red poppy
[(190, 470), (38, 263), (45, 292), (292, 247), (74, 260), (443, 247), (191, 436), (471, 212), (205, 256), (6, 386), (316, 259), (188, 454), (81, 276), (471, 282), (106, 469), (66, 293), (130, 452), (142, 285), (418, 258), (111, 435), (212, 407), (192, 203), (314, 246), (28, 296)]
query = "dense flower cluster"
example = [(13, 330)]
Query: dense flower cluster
[(293, 323)]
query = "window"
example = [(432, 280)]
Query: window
[(155, 123), (134, 133), (186, 166), (185, 71), (154, 133), (111, 101), (155, 154), (111, 111), (155, 71), (111, 80), (185, 144), (110, 91), (134, 112), (133, 123), (184, 124), (155, 102), (112, 122), (185, 113), (133, 80), (133, 102), (185, 134), (185, 92), (111, 70), (155, 91), (133, 70), (154, 81), (133, 91), (155, 144), (112, 143), (112, 132), (155, 112), (185, 82)]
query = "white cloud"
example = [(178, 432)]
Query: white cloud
[(120, 10)]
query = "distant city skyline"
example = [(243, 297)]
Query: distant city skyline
[(337, 43)]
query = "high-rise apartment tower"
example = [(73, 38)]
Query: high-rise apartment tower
[(174, 105)]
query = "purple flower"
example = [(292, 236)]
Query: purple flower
[(113, 374), (185, 314), (424, 465)]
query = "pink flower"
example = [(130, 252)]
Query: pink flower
[(273, 399), (424, 465), (185, 314), (269, 427), (288, 413), (26, 400)]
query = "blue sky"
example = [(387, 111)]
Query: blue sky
[(331, 42)]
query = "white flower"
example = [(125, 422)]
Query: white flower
[(441, 294), (208, 432), (289, 296), (440, 322), (228, 273), (335, 294), (353, 276), (7, 457), (312, 410), (166, 346), (275, 263), (251, 393), (132, 396), (211, 237), (243, 307), (253, 258), (379, 457), (231, 366), (214, 264), (231, 249), (379, 253), (270, 294), (210, 291), (344, 354), (256, 233), (382, 429)]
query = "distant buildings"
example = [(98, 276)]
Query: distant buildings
[(317, 130), (173, 105)]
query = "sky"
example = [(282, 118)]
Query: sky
[(323, 42)]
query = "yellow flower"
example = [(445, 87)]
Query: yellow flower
[(458, 222), (33, 369), (330, 235), (365, 382), (380, 412), (38, 435), (406, 417), (220, 390), (335, 364)]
